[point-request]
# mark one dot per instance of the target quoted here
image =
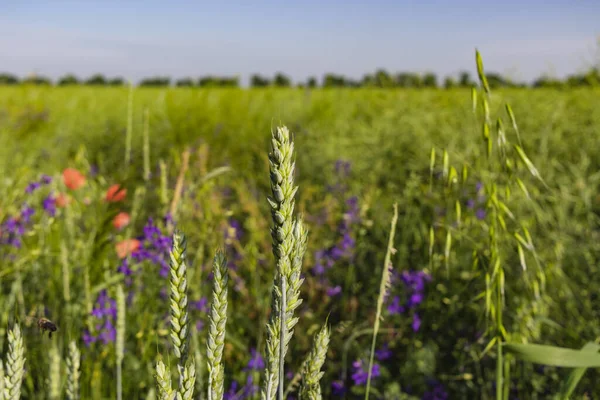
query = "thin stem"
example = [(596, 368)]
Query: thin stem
[(282, 336)]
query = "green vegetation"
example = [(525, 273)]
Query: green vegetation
[(496, 245)]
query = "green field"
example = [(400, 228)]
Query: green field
[(547, 286)]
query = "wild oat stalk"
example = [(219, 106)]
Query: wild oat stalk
[(383, 288), (216, 335), (289, 245), (120, 342), (15, 365), (129, 132), (310, 388), (73, 373)]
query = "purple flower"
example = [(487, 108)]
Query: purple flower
[(32, 187), (256, 361), (105, 311), (360, 374), (384, 353), (416, 322), (334, 291), (471, 203), (46, 179), (49, 205), (342, 168), (478, 186), (395, 307), (338, 389), (435, 392), (200, 305), (480, 214), (26, 214)]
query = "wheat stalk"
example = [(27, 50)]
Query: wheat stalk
[(179, 299), (310, 388), (289, 245), (73, 373), (15, 364), (54, 373), (163, 378), (216, 335)]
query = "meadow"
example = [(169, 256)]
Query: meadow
[(497, 239)]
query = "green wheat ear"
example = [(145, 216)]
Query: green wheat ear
[(179, 299), (73, 373), (216, 335), (310, 388), (289, 245), (15, 364)]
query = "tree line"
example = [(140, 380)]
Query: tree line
[(380, 79)]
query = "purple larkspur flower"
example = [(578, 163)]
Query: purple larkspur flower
[(26, 213), (436, 391), (384, 353), (395, 307), (478, 186), (360, 374), (334, 291), (480, 213), (416, 322), (200, 305), (105, 311), (33, 186), (256, 362), (49, 205), (470, 204), (45, 179), (199, 325), (337, 388)]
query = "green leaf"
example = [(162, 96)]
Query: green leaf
[(569, 384), (554, 356)]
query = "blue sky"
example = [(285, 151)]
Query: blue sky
[(136, 39)]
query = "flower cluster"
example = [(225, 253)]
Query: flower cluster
[(245, 392), (13, 229), (477, 202), (414, 284), (153, 245), (436, 391), (105, 313), (360, 372), (326, 258)]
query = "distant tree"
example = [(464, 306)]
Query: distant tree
[(408, 80), (116, 81), (311, 82), (228, 81), (207, 81), (258, 81), (430, 80), (184, 82), (464, 79), (96, 80), (495, 80), (37, 80), (449, 82), (548, 82), (281, 80), (68, 80), (383, 79), (8, 79), (156, 81), (333, 80), (368, 80)]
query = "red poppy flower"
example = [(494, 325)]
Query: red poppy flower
[(115, 193), (120, 220), (73, 179), (126, 247)]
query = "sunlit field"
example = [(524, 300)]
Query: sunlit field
[(137, 220)]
